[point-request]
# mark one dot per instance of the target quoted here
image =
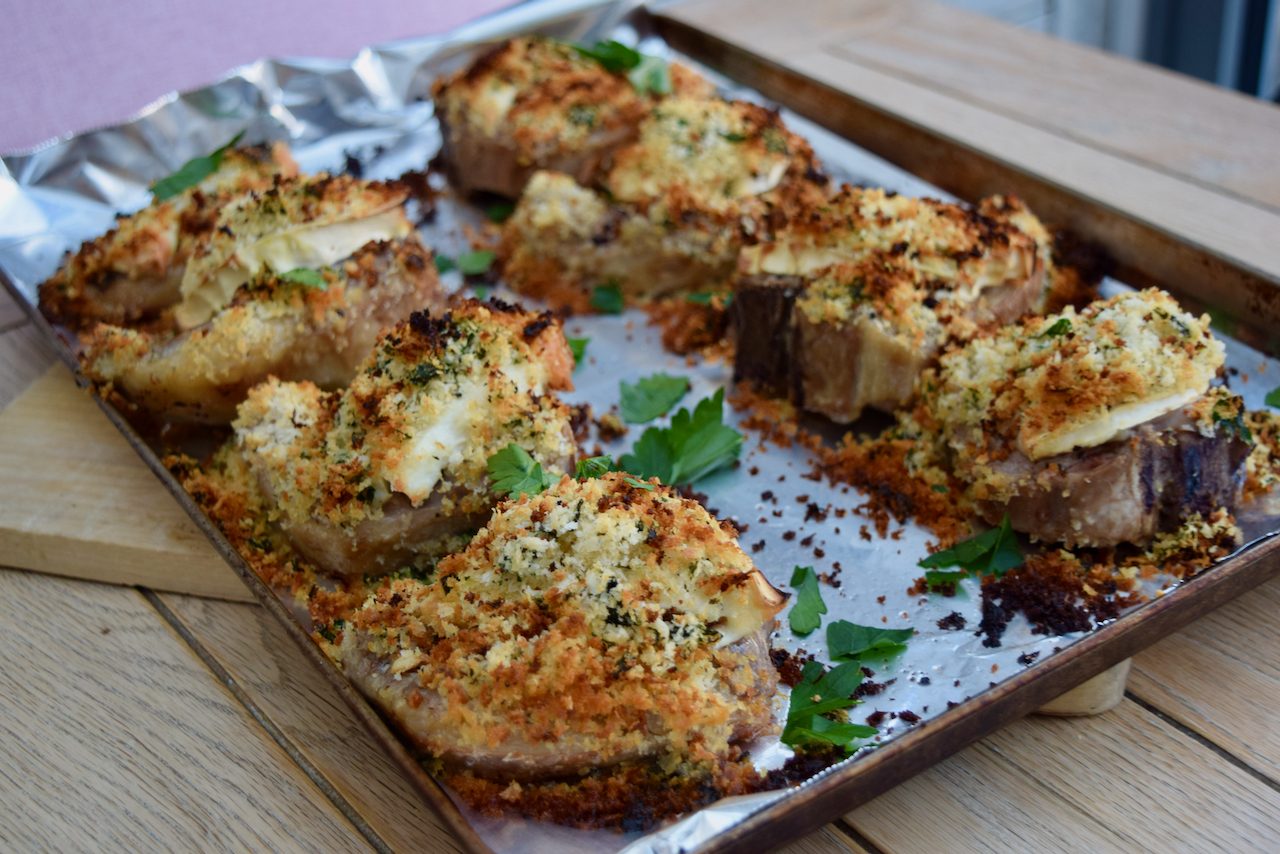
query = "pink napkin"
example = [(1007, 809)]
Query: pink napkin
[(74, 65)]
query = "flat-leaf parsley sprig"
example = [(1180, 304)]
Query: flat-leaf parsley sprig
[(993, 552)]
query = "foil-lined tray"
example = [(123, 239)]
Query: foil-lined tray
[(372, 110)]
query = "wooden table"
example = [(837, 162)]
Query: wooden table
[(134, 720)]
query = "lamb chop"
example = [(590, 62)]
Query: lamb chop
[(595, 624), (365, 480)]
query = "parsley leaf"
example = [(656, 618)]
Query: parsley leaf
[(994, 552), (820, 694), (614, 56), (639, 484), (499, 211), (513, 471), (305, 276), (475, 263), (651, 397), (607, 299), (192, 172), (578, 346), (708, 298), (1230, 418), (593, 467), (806, 613), (1273, 397), (1061, 327), (847, 641), (482, 293), (734, 137), (690, 449), (444, 264)]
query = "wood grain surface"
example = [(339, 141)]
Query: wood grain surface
[(115, 737), (60, 456)]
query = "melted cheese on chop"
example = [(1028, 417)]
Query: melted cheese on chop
[(309, 246), (439, 443)]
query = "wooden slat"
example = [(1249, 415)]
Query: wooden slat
[(1125, 781), (1215, 137), (113, 736), (1236, 646), (24, 356), (266, 664), (1186, 235), (77, 500)]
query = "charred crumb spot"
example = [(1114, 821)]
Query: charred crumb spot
[(1027, 657), (953, 622), (790, 665), (757, 547), (580, 422), (788, 535), (753, 471), (870, 689), (766, 495), (814, 513), (808, 541), (909, 716), (353, 167), (801, 499), (819, 553), (533, 329), (952, 704), (925, 680), (875, 718), (507, 308), (807, 762)]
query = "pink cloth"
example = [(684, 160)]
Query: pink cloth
[(73, 65)]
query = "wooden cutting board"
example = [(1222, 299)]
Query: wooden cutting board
[(77, 501)]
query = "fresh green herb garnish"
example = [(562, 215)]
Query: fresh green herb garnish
[(305, 276), (513, 471), (937, 487), (499, 211), (475, 263), (330, 632), (994, 552), (690, 449), (651, 397), (706, 298), (1226, 416), (614, 56), (593, 467), (608, 299), (482, 293), (192, 172), (646, 73), (1061, 327), (806, 613), (734, 137), (578, 346), (1273, 397), (848, 641), (444, 264), (639, 484), (821, 694)]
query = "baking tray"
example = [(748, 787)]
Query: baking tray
[(66, 191)]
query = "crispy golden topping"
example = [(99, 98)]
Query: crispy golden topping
[(318, 330), (1074, 379), (430, 405), (542, 94), (307, 222), (131, 273), (598, 613)]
